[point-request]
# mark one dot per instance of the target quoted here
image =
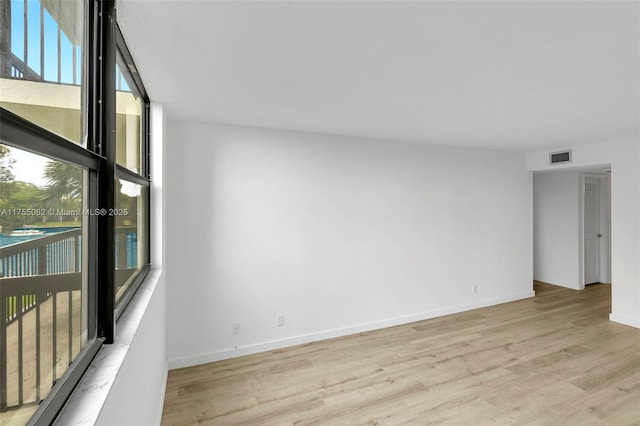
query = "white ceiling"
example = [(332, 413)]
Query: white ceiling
[(507, 75)]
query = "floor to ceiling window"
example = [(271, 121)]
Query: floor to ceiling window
[(74, 196)]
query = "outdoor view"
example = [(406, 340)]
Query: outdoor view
[(44, 213), (130, 201), (129, 112), (43, 279), (43, 62), (43, 218), (43, 321)]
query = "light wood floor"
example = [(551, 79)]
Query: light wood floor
[(550, 360)]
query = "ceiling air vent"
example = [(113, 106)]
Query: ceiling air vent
[(561, 157)]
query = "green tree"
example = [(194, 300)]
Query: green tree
[(25, 195), (16, 195), (64, 187), (6, 172)]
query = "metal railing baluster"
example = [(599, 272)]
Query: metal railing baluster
[(70, 311), (41, 41), (4, 305), (59, 46), (38, 361), (25, 53), (54, 340), (28, 267), (20, 352)]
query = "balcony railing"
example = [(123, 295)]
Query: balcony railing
[(41, 310), (18, 69), (41, 41)]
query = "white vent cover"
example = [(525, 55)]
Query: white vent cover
[(560, 157)]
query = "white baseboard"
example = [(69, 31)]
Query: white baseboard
[(339, 332), (632, 322), (561, 283)]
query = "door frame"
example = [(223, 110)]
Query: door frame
[(604, 219)]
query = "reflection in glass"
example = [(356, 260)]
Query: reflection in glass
[(43, 278), (131, 228), (128, 119), (42, 64)]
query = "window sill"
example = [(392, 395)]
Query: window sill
[(87, 400)]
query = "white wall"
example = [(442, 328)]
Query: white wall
[(338, 234), (137, 394), (556, 228), (624, 158)]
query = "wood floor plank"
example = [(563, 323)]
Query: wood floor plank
[(554, 359)]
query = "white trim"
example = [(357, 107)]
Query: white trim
[(338, 332), (631, 322), (561, 283)]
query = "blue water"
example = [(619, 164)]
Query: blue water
[(6, 240), (131, 243)]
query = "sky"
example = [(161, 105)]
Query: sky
[(49, 39), (47, 42), (28, 167)]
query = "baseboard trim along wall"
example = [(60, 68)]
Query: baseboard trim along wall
[(339, 332), (632, 322), (562, 283)]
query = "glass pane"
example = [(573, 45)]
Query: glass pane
[(42, 63), (131, 228), (128, 119), (43, 277)]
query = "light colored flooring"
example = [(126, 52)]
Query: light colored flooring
[(554, 359)]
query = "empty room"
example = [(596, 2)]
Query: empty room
[(324, 212)]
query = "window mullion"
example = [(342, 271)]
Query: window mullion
[(106, 180)]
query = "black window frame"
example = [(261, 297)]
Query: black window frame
[(99, 158), (124, 173)]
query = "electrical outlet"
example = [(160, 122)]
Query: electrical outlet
[(475, 289), (235, 328), (280, 320)]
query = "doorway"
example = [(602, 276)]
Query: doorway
[(572, 226), (596, 229)]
